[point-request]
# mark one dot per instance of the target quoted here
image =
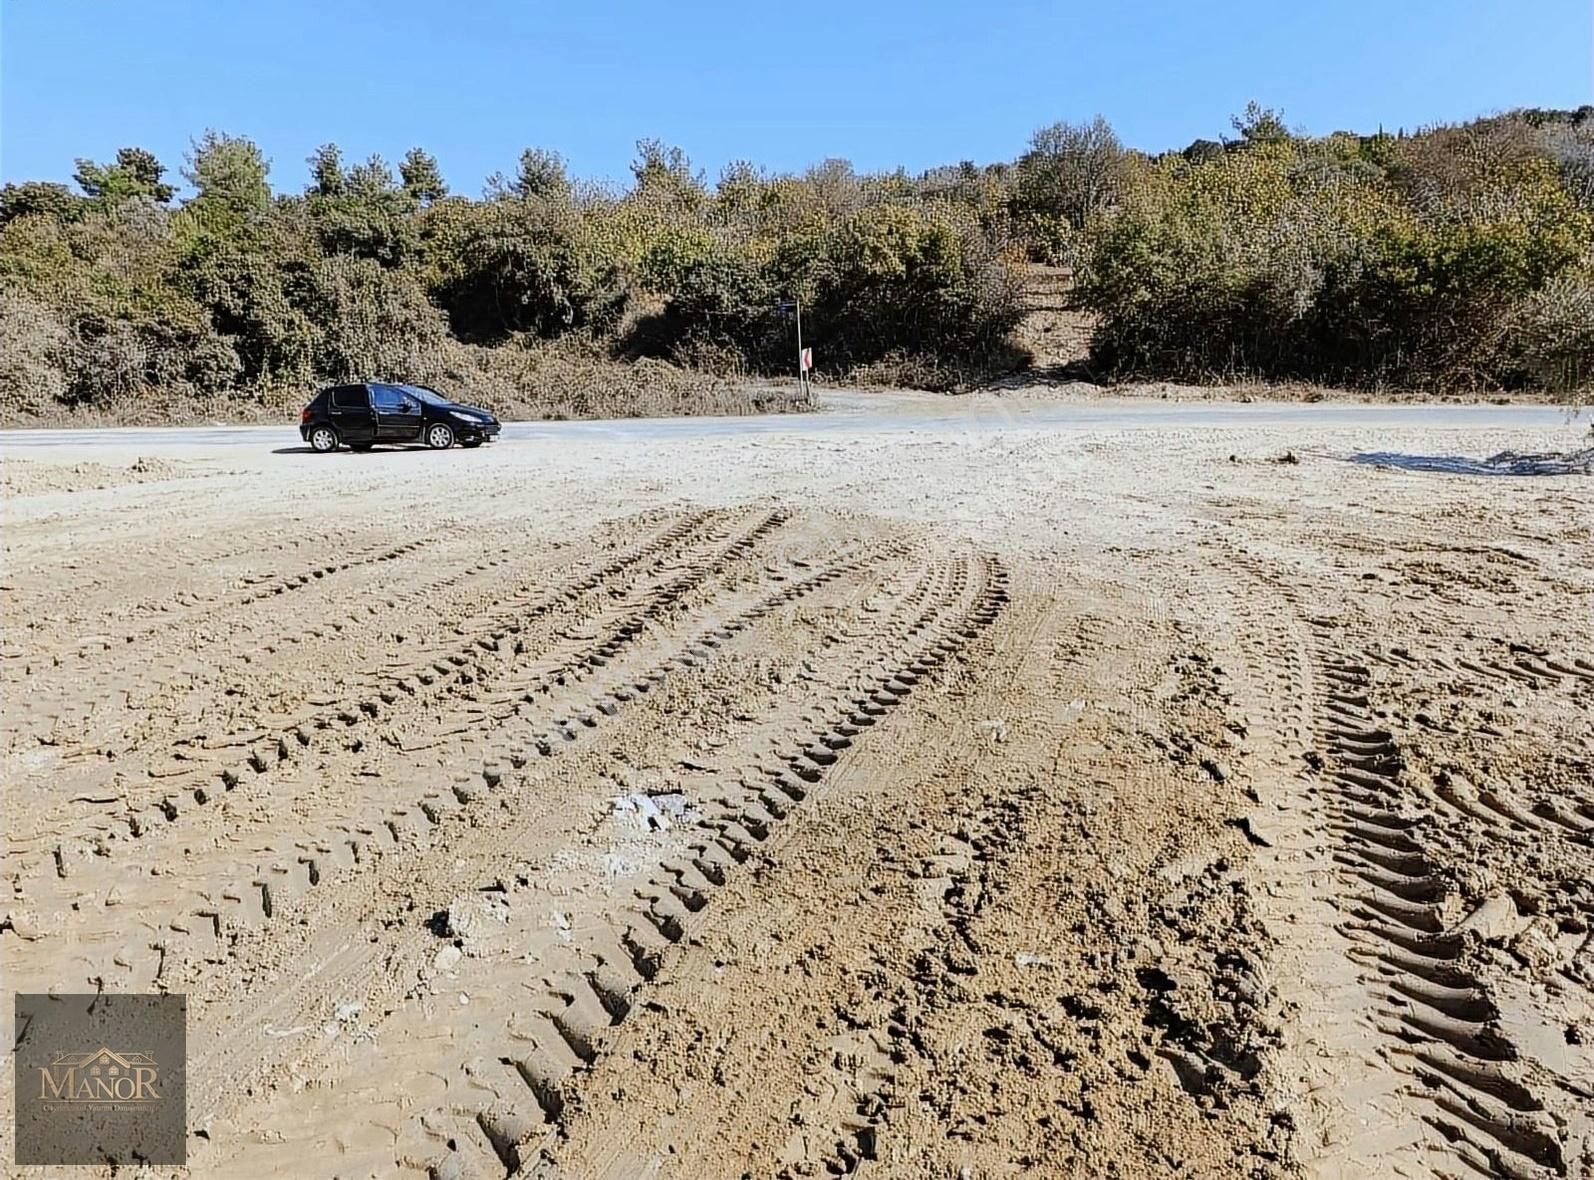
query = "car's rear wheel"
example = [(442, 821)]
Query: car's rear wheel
[(439, 436), (323, 440)]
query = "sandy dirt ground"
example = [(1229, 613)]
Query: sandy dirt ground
[(953, 790)]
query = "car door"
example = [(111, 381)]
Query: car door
[(350, 411), (398, 413)]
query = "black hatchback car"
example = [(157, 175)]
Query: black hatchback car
[(360, 416)]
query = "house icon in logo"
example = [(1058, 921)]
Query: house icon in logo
[(103, 1076), (104, 1062)]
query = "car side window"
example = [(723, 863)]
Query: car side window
[(349, 397), (394, 397)]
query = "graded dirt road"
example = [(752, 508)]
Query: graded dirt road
[(964, 789)]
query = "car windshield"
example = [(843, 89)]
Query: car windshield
[(430, 396)]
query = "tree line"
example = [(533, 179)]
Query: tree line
[(1456, 256)]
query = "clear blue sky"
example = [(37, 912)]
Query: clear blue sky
[(910, 82)]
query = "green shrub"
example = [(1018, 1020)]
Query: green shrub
[(372, 323), (1070, 173), (917, 280), (246, 296), (1552, 333), (890, 279), (55, 201), (1336, 260), (522, 265)]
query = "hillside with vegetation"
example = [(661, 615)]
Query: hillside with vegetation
[(1459, 258)]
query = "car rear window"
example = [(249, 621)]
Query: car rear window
[(350, 397)]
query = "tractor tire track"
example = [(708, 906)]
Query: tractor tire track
[(202, 769), (1427, 1048), (410, 835), (302, 858), (794, 758)]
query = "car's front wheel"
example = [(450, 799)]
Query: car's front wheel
[(439, 436), (323, 440)]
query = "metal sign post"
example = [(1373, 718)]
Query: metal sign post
[(790, 307), (802, 373)]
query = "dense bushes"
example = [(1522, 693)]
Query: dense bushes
[(113, 293), (521, 264), (920, 280), (1459, 256), (36, 354)]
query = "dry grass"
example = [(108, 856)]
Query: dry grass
[(550, 381), (555, 381)]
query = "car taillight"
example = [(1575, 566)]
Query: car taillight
[(304, 414)]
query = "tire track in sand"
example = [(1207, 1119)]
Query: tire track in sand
[(630, 942), (215, 905), (1411, 1041), (200, 770), (458, 822)]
